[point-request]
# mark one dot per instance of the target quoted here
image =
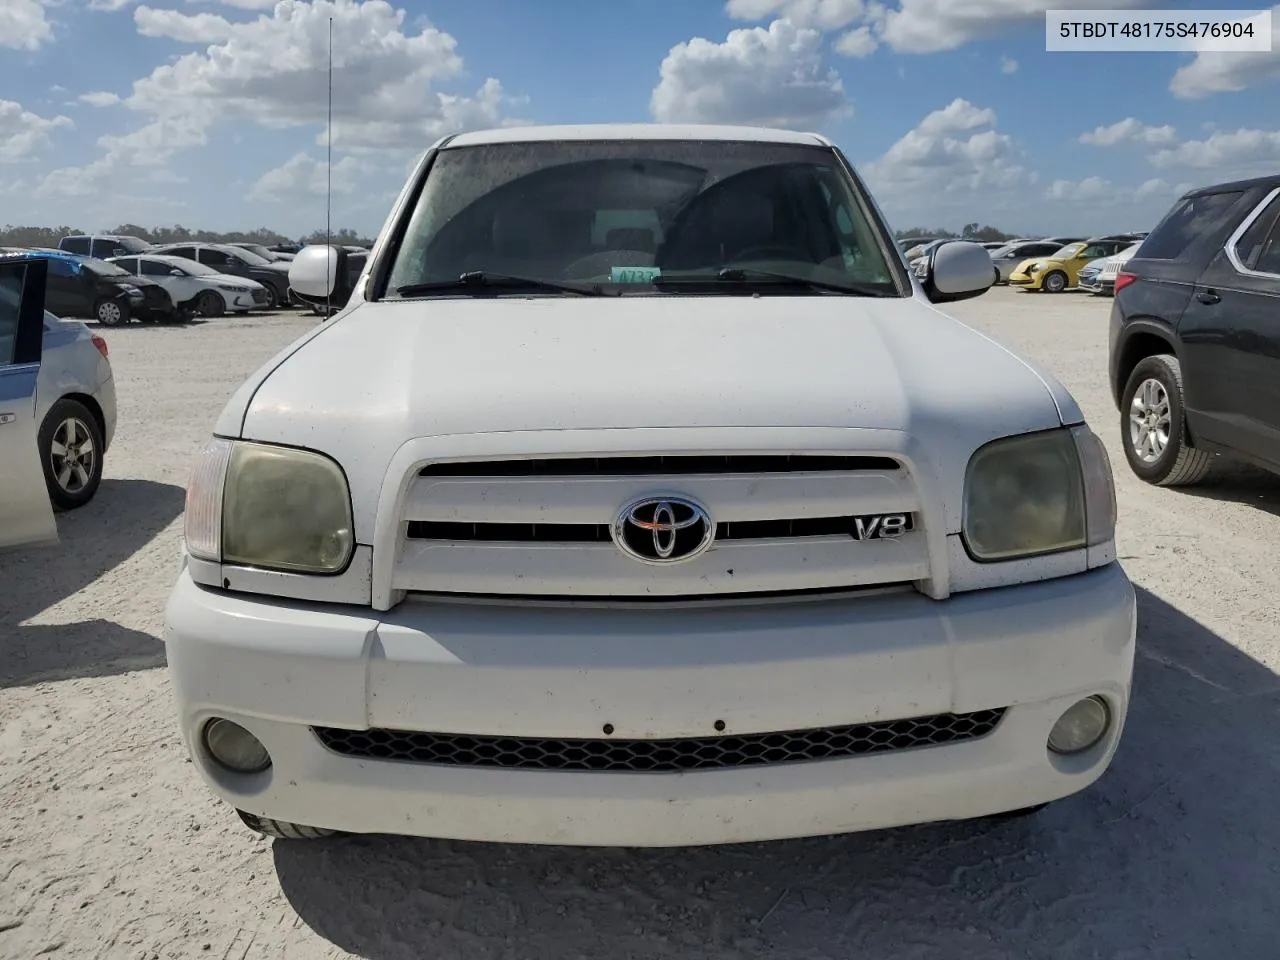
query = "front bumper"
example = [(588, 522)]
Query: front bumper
[(279, 668), (1027, 280)]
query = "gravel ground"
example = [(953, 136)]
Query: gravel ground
[(111, 847)]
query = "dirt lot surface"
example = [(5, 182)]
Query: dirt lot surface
[(111, 847)]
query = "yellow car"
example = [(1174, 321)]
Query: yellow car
[(1061, 269)]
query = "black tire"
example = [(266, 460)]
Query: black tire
[(209, 304), (273, 298), (1055, 281), (1176, 464), (996, 271), (71, 484), (111, 312), (283, 829)]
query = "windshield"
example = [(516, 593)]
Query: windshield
[(620, 214), (249, 257), (102, 268), (131, 244), (1067, 252), (256, 250), (192, 268)]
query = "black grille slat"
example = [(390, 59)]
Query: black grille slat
[(463, 531), (675, 465), (660, 756)]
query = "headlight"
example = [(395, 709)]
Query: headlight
[(1038, 493), (272, 507), (229, 288), (1033, 267)]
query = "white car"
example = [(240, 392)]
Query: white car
[(74, 409), (623, 505), (194, 287), (1111, 269)]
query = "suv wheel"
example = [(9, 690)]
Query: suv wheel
[(71, 452), (111, 313), (1152, 426), (1055, 282), (283, 829)]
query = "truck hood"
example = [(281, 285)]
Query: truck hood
[(388, 372)]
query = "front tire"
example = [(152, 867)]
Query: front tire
[(1153, 428), (283, 829), (273, 298), (209, 304), (1054, 282), (71, 452), (111, 313)]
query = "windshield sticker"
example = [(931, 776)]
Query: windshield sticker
[(634, 274)]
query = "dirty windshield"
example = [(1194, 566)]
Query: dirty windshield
[(636, 216)]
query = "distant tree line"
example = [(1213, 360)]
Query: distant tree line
[(16, 236), (970, 231)]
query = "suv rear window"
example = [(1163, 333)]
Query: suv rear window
[(1190, 217), (75, 244)]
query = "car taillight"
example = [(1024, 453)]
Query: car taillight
[(101, 344), (1123, 280)]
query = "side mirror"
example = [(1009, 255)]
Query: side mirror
[(176, 273), (958, 270), (319, 273)]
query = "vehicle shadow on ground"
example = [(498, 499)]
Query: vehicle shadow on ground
[(1234, 482), (1171, 854), (121, 519)]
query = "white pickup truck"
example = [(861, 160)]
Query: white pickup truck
[(640, 496)]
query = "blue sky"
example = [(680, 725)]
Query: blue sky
[(211, 113)]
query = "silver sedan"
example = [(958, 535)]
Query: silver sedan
[(76, 410)]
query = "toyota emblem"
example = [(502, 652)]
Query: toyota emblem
[(663, 530)]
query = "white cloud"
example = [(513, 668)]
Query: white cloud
[(1086, 190), (22, 132), (185, 28), (773, 77), (928, 26), (304, 176), (1008, 65), (99, 98), (1227, 72), (23, 25), (272, 71), (955, 150), (109, 6), (1240, 153), (1129, 130), (823, 14), (857, 43)]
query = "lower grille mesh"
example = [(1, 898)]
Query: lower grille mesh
[(658, 756)]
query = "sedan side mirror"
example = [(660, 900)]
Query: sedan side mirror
[(318, 273), (958, 270), (176, 273)]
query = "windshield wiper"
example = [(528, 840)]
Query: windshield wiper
[(767, 278), (482, 281)]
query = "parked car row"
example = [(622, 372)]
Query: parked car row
[(1052, 264)]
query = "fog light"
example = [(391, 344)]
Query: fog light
[(1081, 727), (235, 747)]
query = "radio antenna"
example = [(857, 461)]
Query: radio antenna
[(328, 190)]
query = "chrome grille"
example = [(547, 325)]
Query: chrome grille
[(660, 756), (543, 526)]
